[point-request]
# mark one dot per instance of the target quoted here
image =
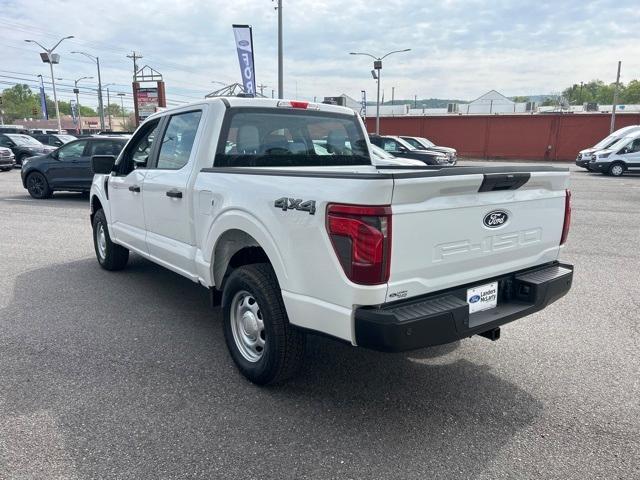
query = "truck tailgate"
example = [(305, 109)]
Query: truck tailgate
[(462, 225)]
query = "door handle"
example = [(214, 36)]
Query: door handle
[(134, 188), (174, 193)]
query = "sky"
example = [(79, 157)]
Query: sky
[(460, 49)]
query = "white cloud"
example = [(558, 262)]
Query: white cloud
[(460, 48)]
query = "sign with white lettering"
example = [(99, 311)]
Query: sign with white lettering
[(244, 45)]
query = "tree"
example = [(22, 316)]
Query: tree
[(595, 91), (114, 109), (520, 99), (631, 94), (18, 102)]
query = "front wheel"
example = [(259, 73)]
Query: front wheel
[(111, 256), (37, 186), (616, 170), (263, 344)]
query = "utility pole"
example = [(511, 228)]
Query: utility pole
[(393, 95), (415, 101), (615, 100), (121, 95), (262, 87), (135, 57), (109, 104)]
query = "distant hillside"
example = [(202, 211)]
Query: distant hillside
[(424, 103)]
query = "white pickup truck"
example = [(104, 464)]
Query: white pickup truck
[(276, 207)]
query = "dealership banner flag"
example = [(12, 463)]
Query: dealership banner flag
[(43, 101), (244, 45)]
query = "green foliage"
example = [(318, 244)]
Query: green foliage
[(520, 99), (19, 101), (596, 91)]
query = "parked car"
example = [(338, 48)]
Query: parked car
[(13, 129), (622, 156), (380, 157), (53, 139), (585, 156), (23, 146), (231, 193), (7, 159), (422, 143), (67, 168), (402, 149)]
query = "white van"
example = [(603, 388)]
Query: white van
[(622, 156), (584, 157)]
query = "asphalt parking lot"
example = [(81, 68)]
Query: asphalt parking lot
[(126, 375)]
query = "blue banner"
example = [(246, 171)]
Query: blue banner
[(43, 101), (244, 45)]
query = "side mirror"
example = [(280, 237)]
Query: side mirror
[(102, 164), (58, 143), (403, 148), (54, 154)]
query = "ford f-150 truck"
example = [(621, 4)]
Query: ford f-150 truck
[(277, 208)]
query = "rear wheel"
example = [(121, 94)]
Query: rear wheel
[(111, 256), (616, 169), (263, 344), (37, 186)]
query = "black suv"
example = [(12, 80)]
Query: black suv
[(23, 146), (69, 167), (400, 148), (53, 139)]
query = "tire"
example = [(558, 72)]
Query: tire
[(6, 169), (37, 186), (616, 169), (265, 347), (110, 255)]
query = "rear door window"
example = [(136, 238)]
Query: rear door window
[(288, 137)]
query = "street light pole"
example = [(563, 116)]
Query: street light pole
[(280, 66), (377, 67), (108, 104), (50, 60), (77, 92), (100, 104)]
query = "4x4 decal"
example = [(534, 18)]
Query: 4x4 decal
[(296, 204)]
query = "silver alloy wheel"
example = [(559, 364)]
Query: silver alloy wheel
[(101, 241), (247, 326), (616, 170)]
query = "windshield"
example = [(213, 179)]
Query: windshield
[(24, 140), (426, 142), (621, 143), (381, 153), (404, 143), (256, 137), (66, 138), (606, 142)]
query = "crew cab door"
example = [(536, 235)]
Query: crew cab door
[(126, 186), (167, 196)]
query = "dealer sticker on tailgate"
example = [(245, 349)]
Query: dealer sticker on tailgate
[(483, 297)]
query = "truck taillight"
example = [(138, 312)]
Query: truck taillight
[(361, 238), (567, 217)]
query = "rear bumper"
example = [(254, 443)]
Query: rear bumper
[(444, 317)]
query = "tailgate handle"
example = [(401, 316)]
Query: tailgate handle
[(503, 181)]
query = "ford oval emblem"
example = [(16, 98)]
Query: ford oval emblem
[(495, 219), (474, 299), (243, 43)]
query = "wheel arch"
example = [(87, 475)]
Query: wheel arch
[(235, 247)]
